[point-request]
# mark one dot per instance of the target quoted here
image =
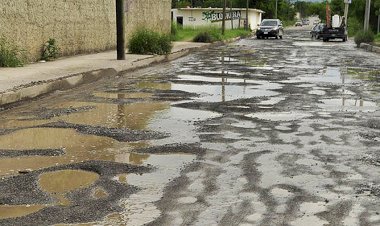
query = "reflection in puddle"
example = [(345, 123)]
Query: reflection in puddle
[(179, 122), (197, 78), (137, 95), (217, 93), (133, 158), (59, 183), (351, 105), (140, 208), (7, 211), (153, 85), (132, 116), (279, 116), (334, 75)]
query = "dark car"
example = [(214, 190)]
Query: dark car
[(316, 31), (270, 28)]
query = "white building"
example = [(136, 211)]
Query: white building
[(198, 17)]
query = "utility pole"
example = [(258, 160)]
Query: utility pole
[(366, 15), (246, 16), (346, 4), (378, 21), (232, 19), (120, 29), (224, 17), (276, 10)]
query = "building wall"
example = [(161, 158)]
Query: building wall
[(194, 18), (78, 26)]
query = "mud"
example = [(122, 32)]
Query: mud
[(257, 132)]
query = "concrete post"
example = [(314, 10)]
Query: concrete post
[(367, 14), (120, 30)]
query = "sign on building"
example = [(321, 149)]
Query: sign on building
[(218, 16)]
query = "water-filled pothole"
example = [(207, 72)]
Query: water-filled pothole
[(59, 183)]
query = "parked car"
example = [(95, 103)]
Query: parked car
[(298, 24), (305, 22), (270, 28), (317, 30)]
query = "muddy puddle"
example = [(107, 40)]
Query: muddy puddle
[(9, 211), (58, 183)]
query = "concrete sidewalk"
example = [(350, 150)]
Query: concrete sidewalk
[(21, 83)]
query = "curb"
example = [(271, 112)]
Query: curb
[(370, 48), (33, 90)]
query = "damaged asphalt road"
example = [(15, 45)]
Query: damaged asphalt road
[(256, 132)]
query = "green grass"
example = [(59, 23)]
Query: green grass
[(188, 34), (377, 39)]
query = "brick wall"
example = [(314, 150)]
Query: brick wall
[(79, 26)]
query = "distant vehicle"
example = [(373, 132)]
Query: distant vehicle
[(337, 30), (305, 22), (298, 24), (317, 31), (270, 28)]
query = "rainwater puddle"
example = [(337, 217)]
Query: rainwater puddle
[(280, 116), (309, 43), (134, 116), (131, 158), (179, 123), (153, 85), (317, 92), (221, 72), (197, 78), (8, 211), (228, 59), (59, 183), (12, 124), (123, 96), (221, 93), (77, 147), (350, 105), (272, 101), (333, 75), (140, 208), (262, 68)]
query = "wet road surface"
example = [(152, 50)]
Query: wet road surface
[(257, 132)]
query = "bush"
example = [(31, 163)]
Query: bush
[(364, 36), (50, 50), (10, 55), (208, 35), (354, 25), (203, 37), (144, 41)]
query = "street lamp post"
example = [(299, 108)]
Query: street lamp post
[(120, 30)]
